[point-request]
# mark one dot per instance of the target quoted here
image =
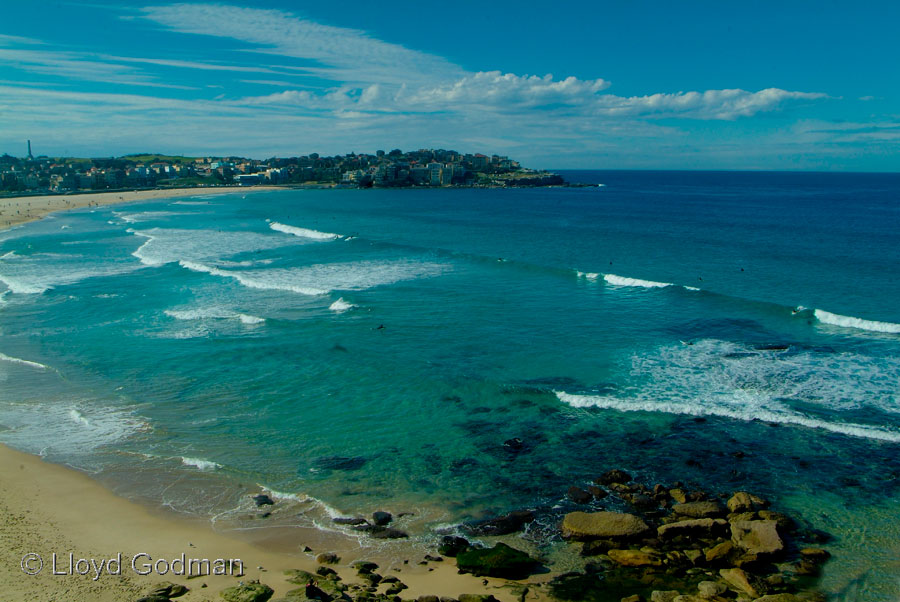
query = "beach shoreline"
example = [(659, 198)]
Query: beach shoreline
[(15, 211), (51, 509)]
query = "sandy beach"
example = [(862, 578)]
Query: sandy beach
[(49, 509), (19, 210)]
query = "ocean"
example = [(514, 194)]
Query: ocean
[(358, 350)]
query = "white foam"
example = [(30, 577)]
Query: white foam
[(214, 313), (48, 428), (34, 274), (340, 306), (719, 378), (321, 279), (248, 319), (588, 275), (15, 360), (144, 216), (167, 245), (827, 317), (624, 281), (691, 288), (303, 232), (200, 464)]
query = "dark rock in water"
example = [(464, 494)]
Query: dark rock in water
[(515, 444), (379, 532), (598, 493), (463, 466), (511, 523), (640, 501), (776, 347), (364, 566), (499, 561), (349, 521), (328, 558), (553, 382), (451, 546), (340, 463), (579, 495), (613, 476), (597, 547), (431, 558), (381, 518), (253, 591), (263, 500)]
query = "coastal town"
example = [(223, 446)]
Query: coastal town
[(393, 169)]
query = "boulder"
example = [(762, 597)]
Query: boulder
[(381, 518), (699, 509), (663, 596), (364, 566), (594, 525), (719, 553), (816, 555), (595, 547), (340, 520), (701, 527), (428, 599), (634, 598), (153, 598), (778, 598), (253, 591), (504, 525), (579, 495), (678, 495), (451, 546), (168, 589), (758, 537), (477, 598), (785, 522), (263, 500), (328, 558), (634, 558), (613, 476), (746, 502), (694, 556), (710, 589), (739, 581), (597, 492), (499, 561)]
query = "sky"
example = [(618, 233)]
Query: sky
[(797, 85)]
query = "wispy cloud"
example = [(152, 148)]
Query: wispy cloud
[(345, 55)]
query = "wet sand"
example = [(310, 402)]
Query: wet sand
[(47, 509), (19, 210)]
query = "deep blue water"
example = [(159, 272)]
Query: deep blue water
[(376, 348)]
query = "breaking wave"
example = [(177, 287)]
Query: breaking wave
[(720, 378), (827, 317), (624, 281), (303, 232), (15, 360)]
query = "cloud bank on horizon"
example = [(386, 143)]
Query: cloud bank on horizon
[(282, 84)]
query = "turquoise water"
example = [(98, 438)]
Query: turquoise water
[(358, 350)]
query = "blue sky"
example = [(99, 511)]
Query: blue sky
[(691, 85)]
